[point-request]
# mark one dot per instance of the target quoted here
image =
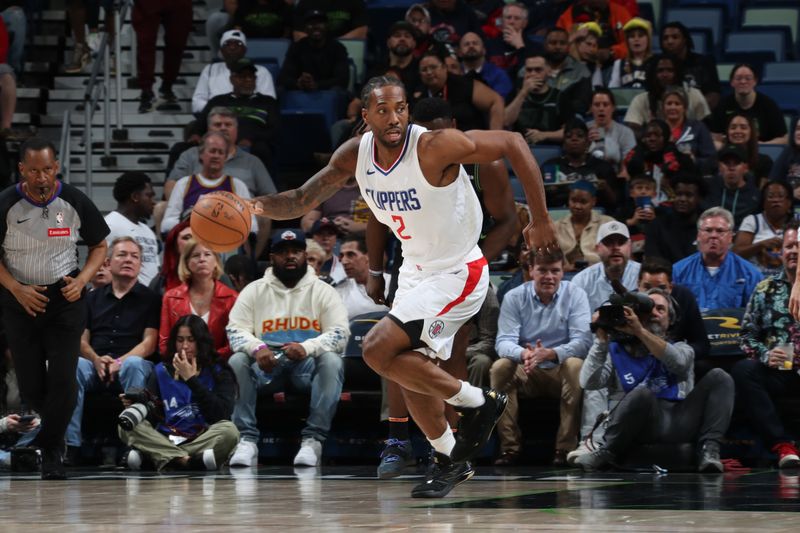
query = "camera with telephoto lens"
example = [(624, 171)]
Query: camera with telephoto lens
[(611, 315), (143, 404)]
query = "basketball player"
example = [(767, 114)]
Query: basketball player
[(413, 182)]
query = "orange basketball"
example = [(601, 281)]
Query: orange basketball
[(221, 221)]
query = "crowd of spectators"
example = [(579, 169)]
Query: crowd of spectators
[(671, 200)]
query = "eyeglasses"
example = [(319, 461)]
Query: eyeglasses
[(743, 78), (718, 231)]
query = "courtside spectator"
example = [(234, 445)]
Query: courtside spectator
[(257, 19), (734, 188), (769, 336), (691, 137), (176, 18), (611, 17), (474, 65), (293, 309), (745, 99), (577, 232), (451, 20), (134, 195), (346, 19), (509, 49), (567, 74), (200, 293), (317, 61), (742, 132), (699, 71), (630, 72), (673, 234), (216, 78), (716, 276), (535, 109), (611, 140), (353, 289)]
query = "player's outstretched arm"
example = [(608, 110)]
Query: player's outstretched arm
[(482, 146), (321, 186)]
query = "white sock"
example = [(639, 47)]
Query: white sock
[(468, 396), (445, 443)]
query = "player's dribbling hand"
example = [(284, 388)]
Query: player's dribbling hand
[(73, 289), (256, 207), (540, 235), (31, 299)]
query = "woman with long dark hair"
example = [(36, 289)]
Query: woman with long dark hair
[(691, 137), (191, 397), (742, 131), (760, 236)]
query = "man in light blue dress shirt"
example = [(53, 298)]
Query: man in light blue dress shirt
[(614, 249), (542, 338)]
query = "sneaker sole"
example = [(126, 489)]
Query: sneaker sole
[(789, 462), (442, 493), (460, 455), (209, 460), (393, 472)]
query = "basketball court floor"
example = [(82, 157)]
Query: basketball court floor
[(343, 499)]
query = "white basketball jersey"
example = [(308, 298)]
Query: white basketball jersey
[(437, 226)]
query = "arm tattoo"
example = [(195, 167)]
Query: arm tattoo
[(321, 186)]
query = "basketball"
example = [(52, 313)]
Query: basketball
[(221, 221)]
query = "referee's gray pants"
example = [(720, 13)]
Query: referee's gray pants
[(45, 350)]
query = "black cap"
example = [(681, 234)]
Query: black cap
[(243, 64), (402, 25), (732, 150), (288, 237), (315, 14), (322, 224)]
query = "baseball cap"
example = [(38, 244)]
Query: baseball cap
[(233, 35), (612, 228), (323, 224), (315, 14), (243, 64), (402, 25), (732, 150), (638, 23), (288, 237)]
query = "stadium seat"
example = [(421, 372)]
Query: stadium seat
[(784, 94), (771, 150), (623, 97), (710, 18), (724, 72), (773, 16), (330, 104), (757, 41), (702, 41), (784, 72), (356, 50), (262, 51), (654, 8), (543, 152), (359, 326), (730, 8)]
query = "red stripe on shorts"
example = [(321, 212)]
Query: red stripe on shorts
[(475, 271)]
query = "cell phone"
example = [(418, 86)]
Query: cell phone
[(27, 419), (645, 202)]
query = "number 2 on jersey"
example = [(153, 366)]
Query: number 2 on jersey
[(401, 226)]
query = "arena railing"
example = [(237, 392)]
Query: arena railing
[(100, 85)]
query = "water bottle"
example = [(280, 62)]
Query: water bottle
[(599, 150)]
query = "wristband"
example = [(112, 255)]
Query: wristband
[(376, 273), (257, 348)]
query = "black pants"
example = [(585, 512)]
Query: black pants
[(757, 384), (703, 415), (45, 350)]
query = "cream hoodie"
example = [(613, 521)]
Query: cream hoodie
[(311, 313)]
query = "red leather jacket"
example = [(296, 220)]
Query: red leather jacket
[(176, 303)]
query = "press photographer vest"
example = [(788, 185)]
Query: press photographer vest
[(647, 370), (182, 417)]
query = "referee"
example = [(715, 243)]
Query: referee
[(43, 311)]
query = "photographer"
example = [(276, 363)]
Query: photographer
[(654, 377), (187, 405)]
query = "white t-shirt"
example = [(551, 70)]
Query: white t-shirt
[(759, 227), (121, 226), (356, 299)]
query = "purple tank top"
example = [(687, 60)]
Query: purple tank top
[(195, 190)]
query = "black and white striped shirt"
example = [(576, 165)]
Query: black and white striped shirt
[(39, 239)]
